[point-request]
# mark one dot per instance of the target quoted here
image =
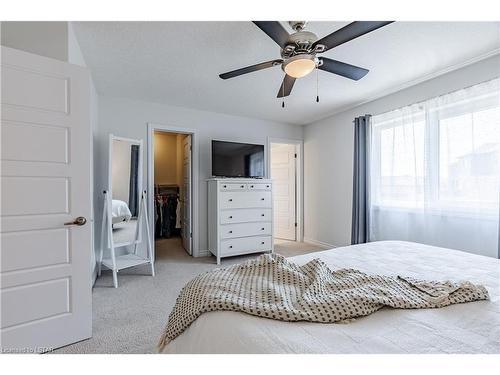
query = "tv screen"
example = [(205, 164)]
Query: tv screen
[(231, 159)]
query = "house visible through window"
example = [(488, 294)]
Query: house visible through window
[(469, 159)]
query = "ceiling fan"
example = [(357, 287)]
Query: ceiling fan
[(299, 50)]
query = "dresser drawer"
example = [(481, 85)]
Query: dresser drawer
[(245, 245), (259, 186), (250, 199), (232, 187), (245, 215), (245, 229)]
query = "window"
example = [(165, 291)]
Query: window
[(439, 154), (434, 171), (469, 150), (400, 169)]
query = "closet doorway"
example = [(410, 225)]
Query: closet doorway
[(170, 172), (285, 171)]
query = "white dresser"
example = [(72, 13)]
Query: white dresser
[(240, 216)]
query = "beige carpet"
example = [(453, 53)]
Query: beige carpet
[(130, 319)]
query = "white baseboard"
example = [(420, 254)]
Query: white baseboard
[(203, 253), (319, 243)]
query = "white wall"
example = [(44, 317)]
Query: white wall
[(74, 53), (49, 39), (129, 118), (329, 147)]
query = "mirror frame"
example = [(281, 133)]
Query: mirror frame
[(140, 189)]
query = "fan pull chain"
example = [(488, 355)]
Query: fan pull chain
[(283, 97), (317, 85)]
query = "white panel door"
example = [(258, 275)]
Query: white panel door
[(283, 173), (187, 239), (45, 167)]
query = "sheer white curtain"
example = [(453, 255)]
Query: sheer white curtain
[(435, 171)]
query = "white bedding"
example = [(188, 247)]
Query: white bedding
[(119, 211), (466, 328)]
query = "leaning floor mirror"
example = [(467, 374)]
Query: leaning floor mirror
[(124, 210)]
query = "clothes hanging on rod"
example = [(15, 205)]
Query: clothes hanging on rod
[(166, 202)]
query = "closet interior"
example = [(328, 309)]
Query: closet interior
[(171, 185)]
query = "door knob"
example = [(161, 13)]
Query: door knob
[(80, 220)]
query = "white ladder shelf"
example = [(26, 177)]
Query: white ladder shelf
[(116, 263)]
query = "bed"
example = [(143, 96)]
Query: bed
[(119, 211), (465, 328)]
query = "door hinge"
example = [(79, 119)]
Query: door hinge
[(191, 234), (295, 155), (295, 225)]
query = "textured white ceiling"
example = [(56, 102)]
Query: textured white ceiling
[(178, 63)]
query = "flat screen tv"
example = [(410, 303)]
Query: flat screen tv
[(232, 159)]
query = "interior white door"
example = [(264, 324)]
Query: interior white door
[(283, 173), (45, 167), (187, 238)]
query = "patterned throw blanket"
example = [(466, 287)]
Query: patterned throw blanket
[(272, 287)]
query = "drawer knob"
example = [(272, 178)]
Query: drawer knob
[(230, 246), (262, 215), (230, 217), (267, 185), (251, 186), (242, 186), (225, 186), (262, 242), (261, 228), (261, 199), (230, 199), (230, 231)]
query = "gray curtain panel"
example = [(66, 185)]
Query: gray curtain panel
[(133, 202), (360, 198)]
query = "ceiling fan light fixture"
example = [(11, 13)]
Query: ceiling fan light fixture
[(299, 66)]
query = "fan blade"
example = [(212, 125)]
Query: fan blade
[(342, 69), (274, 30), (350, 32), (288, 82), (250, 69)]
